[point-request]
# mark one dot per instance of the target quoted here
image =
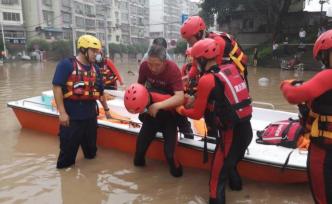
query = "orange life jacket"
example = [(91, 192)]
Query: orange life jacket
[(108, 76), (81, 84), (233, 52)]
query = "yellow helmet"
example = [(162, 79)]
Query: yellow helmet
[(88, 41)]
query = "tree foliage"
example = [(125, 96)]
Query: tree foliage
[(61, 49), (181, 47), (38, 43), (272, 10)]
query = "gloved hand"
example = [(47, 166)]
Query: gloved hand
[(288, 81), (180, 109)]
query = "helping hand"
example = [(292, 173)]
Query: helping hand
[(189, 101), (180, 109), (153, 109), (64, 119), (108, 114), (288, 81)]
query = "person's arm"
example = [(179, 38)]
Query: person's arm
[(204, 88), (62, 72), (176, 100), (58, 96), (158, 97), (309, 90), (114, 70), (102, 97)]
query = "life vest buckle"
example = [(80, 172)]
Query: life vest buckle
[(78, 88)]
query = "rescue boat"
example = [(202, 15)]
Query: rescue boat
[(261, 162)]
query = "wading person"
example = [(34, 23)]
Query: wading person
[(223, 91), (76, 87), (194, 29), (110, 74), (163, 76), (317, 92)]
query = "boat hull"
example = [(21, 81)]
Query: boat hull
[(189, 156)]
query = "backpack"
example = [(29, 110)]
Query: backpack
[(284, 133)]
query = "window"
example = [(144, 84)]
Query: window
[(14, 34), (79, 8), (47, 2), (9, 2), (118, 38), (66, 17), (79, 22), (7, 16), (90, 23), (89, 11), (48, 17), (101, 24), (66, 3)]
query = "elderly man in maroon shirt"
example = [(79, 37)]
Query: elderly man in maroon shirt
[(162, 76)]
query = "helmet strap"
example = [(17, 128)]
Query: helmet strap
[(324, 58), (84, 52), (199, 35), (202, 62)]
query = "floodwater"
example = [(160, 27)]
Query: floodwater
[(28, 158)]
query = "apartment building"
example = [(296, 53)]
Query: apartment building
[(11, 20), (67, 19), (166, 15), (134, 21)]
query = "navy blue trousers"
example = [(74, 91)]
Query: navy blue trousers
[(79, 132)]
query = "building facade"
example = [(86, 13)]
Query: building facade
[(134, 21), (67, 19), (11, 19), (166, 18)]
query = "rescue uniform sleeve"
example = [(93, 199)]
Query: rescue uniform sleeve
[(111, 65), (193, 72), (309, 90), (205, 85), (62, 72), (158, 97), (183, 70)]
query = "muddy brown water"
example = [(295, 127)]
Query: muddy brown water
[(27, 158)]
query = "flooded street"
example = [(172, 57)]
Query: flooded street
[(28, 158)]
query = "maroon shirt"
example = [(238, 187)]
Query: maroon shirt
[(168, 81)]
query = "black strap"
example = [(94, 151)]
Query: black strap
[(205, 151), (284, 133), (242, 104), (287, 160)]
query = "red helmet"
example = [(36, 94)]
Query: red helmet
[(323, 43), (192, 26), (207, 49), (136, 98), (188, 51)]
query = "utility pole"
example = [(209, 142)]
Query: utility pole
[(106, 31), (3, 37), (73, 31), (322, 2)]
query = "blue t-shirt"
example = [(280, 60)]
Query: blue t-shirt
[(76, 109)]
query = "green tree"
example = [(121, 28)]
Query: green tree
[(181, 47), (38, 43), (114, 49), (61, 49), (1, 45), (272, 10)]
